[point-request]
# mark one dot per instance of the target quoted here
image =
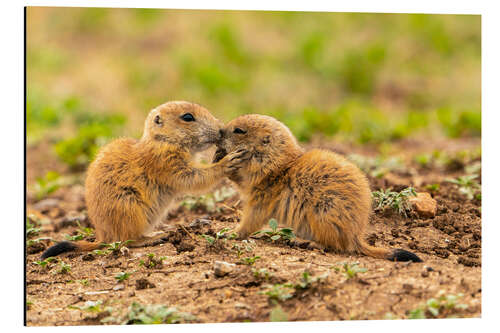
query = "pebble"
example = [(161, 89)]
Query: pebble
[(222, 268), (46, 204), (118, 287), (96, 292), (200, 222), (424, 205)]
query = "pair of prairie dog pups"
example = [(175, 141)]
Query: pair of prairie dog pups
[(319, 194)]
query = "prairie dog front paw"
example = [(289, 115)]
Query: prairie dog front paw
[(234, 160)]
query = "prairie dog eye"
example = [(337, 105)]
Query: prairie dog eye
[(187, 117), (238, 130), (158, 121)]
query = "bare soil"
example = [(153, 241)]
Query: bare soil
[(449, 244)]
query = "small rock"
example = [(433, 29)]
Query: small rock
[(424, 205), (222, 268), (241, 306), (96, 292), (428, 268), (119, 287), (46, 204), (424, 273), (407, 287), (143, 284), (199, 223), (88, 257), (131, 294)]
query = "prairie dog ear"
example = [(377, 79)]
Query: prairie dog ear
[(158, 121), (266, 140)]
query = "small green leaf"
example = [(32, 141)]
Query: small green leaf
[(273, 224), (275, 237)]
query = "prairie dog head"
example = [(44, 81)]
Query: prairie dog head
[(270, 144), (184, 124)]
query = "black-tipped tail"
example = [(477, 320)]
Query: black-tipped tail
[(403, 255), (58, 249)]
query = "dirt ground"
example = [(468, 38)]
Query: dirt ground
[(449, 244)]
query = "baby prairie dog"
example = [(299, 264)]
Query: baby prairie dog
[(319, 194), (131, 183)]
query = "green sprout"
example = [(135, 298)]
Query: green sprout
[(246, 245), (122, 276), (468, 186), (45, 263), (351, 270), (155, 314), (84, 232), (262, 274), (89, 306), (64, 268), (274, 234), (279, 292), (152, 262), (31, 229), (249, 260), (46, 185), (434, 307)]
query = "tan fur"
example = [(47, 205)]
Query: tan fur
[(131, 183), (319, 194)]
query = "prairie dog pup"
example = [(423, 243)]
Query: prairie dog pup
[(320, 194), (131, 183)]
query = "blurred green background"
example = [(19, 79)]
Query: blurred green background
[(93, 74)]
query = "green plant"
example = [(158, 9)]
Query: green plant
[(91, 306), (84, 232), (155, 314), (45, 185), (44, 263), (83, 282), (122, 276), (116, 246), (245, 245), (78, 151), (444, 305), (64, 268), (424, 160), (101, 252), (249, 260), (219, 235), (210, 240), (468, 186), (152, 262), (262, 274), (274, 234), (350, 270), (397, 201), (433, 187), (279, 292), (31, 242), (460, 123), (306, 280), (31, 229)]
